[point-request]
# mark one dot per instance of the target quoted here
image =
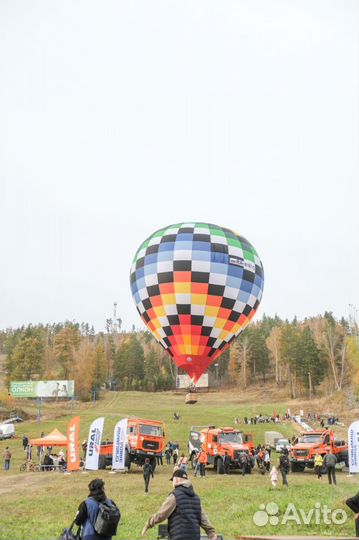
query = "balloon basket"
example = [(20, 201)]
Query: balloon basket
[(191, 399)]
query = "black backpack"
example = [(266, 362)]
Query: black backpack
[(108, 518)]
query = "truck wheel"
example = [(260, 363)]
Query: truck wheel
[(127, 460), (297, 467), (102, 462), (220, 466)]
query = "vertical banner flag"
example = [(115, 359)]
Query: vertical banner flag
[(93, 444), (353, 444), (119, 444), (73, 451)]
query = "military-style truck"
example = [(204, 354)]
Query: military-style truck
[(309, 443), (144, 439), (216, 441)]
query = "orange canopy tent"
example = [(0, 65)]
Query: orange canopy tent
[(55, 438)]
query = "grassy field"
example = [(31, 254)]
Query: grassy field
[(38, 505)]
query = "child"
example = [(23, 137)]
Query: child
[(273, 475)]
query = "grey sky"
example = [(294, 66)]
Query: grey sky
[(119, 117)]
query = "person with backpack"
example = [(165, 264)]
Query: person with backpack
[(284, 466), (147, 473), (98, 515), (184, 512)]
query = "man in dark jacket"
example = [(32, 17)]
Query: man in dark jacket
[(353, 504), (147, 473), (284, 466), (226, 463), (329, 462), (89, 509), (184, 512)]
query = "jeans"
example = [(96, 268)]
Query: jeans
[(202, 469), (284, 477), (331, 474), (147, 481), (7, 465)]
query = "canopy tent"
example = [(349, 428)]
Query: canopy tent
[(55, 438)]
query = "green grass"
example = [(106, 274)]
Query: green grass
[(38, 505)]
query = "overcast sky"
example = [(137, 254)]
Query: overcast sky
[(120, 117)]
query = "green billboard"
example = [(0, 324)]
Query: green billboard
[(39, 389)]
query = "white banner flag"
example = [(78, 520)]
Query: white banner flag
[(93, 444), (353, 444), (119, 444)]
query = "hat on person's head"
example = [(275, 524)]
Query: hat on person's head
[(180, 473)]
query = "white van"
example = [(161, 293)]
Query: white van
[(7, 431)]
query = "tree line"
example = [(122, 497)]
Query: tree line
[(302, 356)]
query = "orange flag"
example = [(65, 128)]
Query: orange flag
[(73, 451)]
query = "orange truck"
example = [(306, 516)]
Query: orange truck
[(215, 442), (144, 439), (309, 443)]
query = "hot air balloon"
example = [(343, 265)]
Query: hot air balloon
[(196, 286)]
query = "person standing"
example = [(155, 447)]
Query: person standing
[(318, 465), (226, 463), (284, 466), (175, 455), (89, 510), (168, 456), (273, 475), (25, 442), (267, 460), (353, 504), (182, 463), (184, 512), (329, 462), (202, 460), (147, 473), (7, 459), (243, 462)]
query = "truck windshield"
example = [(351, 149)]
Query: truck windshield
[(310, 439), (233, 437), (153, 431)]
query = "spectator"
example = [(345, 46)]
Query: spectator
[(25, 442), (243, 462), (329, 462), (202, 460), (318, 465), (183, 463), (84, 447), (353, 504), (273, 475), (89, 509), (226, 463), (147, 473), (284, 466), (184, 512), (267, 461), (7, 459), (175, 455), (168, 455)]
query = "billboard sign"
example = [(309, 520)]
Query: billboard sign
[(94, 444), (39, 389), (73, 451), (119, 445), (185, 381), (353, 450)]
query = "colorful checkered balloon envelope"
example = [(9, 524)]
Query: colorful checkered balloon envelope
[(196, 287)]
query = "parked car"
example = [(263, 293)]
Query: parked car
[(282, 444), (7, 431)]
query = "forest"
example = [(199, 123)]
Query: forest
[(311, 357)]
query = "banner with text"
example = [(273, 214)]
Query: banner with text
[(94, 444), (73, 450), (353, 447), (42, 389), (119, 444)]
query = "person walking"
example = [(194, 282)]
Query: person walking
[(353, 503), (329, 462), (318, 465), (243, 462), (89, 510), (184, 512), (273, 475), (7, 459), (147, 473), (202, 460), (284, 466), (25, 442)]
